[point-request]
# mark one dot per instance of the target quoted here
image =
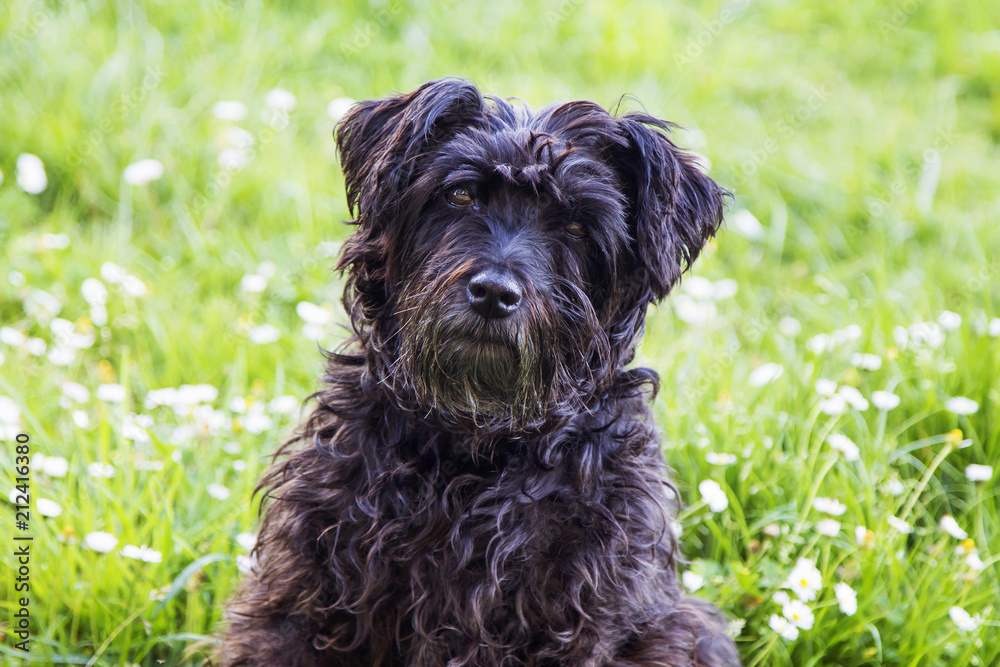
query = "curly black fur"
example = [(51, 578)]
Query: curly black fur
[(487, 492)]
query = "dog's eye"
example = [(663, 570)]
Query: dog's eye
[(460, 197), (575, 229)]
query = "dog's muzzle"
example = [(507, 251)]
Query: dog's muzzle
[(494, 294)]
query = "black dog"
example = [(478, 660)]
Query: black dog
[(480, 483)]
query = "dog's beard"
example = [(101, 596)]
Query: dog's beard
[(488, 374)]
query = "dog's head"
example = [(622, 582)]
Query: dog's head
[(503, 259)]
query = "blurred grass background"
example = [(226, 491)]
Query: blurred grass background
[(861, 142)]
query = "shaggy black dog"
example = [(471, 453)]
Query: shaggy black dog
[(481, 483)]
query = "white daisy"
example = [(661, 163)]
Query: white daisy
[(112, 393), (49, 508), (765, 374), (283, 405), (232, 159), (744, 222), (31, 174), (81, 419), (264, 334), (884, 400), (102, 470), (12, 337), (100, 541), (75, 392), (949, 321), (246, 540), (825, 387), (280, 99), (783, 627), (94, 292), (926, 334), (799, 614), (993, 328), (35, 346), (55, 241), (713, 495), (245, 564), (239, 138), (142, 553), (963, 620), (961, 405), (724, 289), (978, 473), (899, 525), (313, 314), (720, 459), (804, 580), (253, 283), (834, 406), (950, 526), (828, 527), (218, 491), (229, 110), (339, 107), (692, 581), (895, 487), (143, 172), (847, 598), (789, 327), (50, 466), (844, 445), (853, 398), (829, 506), (819, 343), (866, 362), (693, 312)]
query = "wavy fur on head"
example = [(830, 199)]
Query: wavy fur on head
[(488, 491)]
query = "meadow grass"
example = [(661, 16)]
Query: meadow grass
[(861, 142)]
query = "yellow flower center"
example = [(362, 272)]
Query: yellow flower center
[(803, 582)]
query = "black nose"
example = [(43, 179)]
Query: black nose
[(494, 294)]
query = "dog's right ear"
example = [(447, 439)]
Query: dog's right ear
[(380, 141)]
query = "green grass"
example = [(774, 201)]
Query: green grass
[(818, 116)]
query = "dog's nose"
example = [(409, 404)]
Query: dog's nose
[(494, 294)]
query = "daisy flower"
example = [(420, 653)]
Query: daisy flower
[(885, 400), (799, 614), (100, 542), (829, 506), (961, 405), (950, 526), (804, 580), (844, 445), (765, 374), (963, 620), (978, 473), (847, 598), (783, 627), (713, 495)]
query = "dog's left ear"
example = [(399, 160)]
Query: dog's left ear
[(673, 208)]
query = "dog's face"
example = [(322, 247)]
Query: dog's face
[(504, 260)]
